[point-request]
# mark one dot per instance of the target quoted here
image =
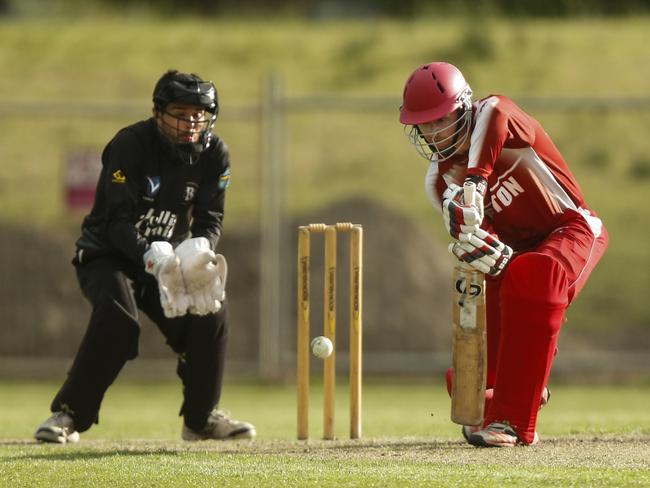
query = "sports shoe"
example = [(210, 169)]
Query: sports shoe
[(221, 427), (497, 434), (468, 430), (58, 428)]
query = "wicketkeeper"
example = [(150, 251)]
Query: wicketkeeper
[(150, 244), (528, 229)]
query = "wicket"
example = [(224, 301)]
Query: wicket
[(329, 320)]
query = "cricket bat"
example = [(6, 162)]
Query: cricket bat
[(469, 354)]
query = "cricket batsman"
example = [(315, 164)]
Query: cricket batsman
[(149, 244), (528, 229)]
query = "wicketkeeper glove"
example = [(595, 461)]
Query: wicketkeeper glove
[(164, 265), (483, 252), (205, 275), (463, 218)]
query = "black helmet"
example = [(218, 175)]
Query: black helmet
[(187, 89)]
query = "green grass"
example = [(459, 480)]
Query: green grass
[(591, 436), (334, 154)]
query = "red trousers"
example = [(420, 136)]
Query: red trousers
[(525, 311)]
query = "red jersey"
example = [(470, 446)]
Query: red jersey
[(530, 189)]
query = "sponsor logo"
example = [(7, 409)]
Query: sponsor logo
[(157, 223), (467, 291), (119, 177), (473, 290)]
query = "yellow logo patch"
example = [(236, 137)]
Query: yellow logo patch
[(118, 177)]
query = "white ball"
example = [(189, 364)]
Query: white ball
[(322, 347)]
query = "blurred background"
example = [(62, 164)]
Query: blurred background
[(309, 93)]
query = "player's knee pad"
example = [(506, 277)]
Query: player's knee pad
[(536, 277)]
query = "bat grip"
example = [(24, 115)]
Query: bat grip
[(469, 192)]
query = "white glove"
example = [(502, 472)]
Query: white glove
[(205, 275), (483, 252), (461, 219), (164, 265)]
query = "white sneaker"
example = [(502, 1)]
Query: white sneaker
[(221, 427), (58, 428), (497, 434), (468, 430)]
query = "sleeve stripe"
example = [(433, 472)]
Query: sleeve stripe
[(546, 179), (483, 116)]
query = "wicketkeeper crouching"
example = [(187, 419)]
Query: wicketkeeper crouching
[(149, 244)]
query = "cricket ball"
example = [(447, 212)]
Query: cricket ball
[(321, 347)]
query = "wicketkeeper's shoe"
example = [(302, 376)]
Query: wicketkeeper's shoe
[(497, 434), (221, 427), (58, 428)]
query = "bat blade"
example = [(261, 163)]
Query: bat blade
[(469, 355)]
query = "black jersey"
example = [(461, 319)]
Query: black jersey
[(145, 194)]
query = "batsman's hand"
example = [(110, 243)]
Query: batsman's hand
[(161, 262), (483, 252), (462, 219), (205, 275)]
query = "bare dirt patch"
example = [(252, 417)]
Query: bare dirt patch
[(616, 452)]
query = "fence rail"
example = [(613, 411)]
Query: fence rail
[(269, 114), (119, 108)]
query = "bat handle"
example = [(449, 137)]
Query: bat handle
[(469, 191)]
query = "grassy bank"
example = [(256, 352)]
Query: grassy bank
[(334, 153)]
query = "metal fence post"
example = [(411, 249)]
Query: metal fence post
[(272, 228)]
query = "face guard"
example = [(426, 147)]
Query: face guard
[(182, 125), (444, 148), (190, 132), (433, 91)]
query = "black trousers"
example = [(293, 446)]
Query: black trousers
[(117, 289)]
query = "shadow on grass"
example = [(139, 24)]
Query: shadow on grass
[(60, 452), (33, 450)]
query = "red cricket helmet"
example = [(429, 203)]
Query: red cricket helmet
[(432, 91)]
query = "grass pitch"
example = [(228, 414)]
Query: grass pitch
[(591, 436)]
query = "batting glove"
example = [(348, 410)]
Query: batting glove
[(205, 275), (461, 218), (161, 262), (483, 252)]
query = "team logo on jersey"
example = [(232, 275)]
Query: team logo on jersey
[(118, 177), (190, 192), (153, 185), (224, 179)]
